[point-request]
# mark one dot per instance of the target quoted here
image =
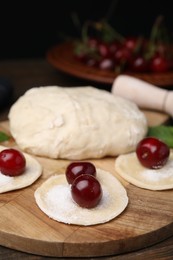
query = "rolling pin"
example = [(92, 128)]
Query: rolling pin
[(144, 94)]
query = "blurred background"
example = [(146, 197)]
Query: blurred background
[(28, 30)]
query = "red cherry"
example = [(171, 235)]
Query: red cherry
[(106, 64), (152, 153), (159, 64), (131, 43), (86, 191), (138, 64), (103, 50), (122, 54), (91, 62), (12, 162), (113, 47), (75, 169)]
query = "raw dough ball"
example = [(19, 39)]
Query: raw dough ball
[(75, 123)]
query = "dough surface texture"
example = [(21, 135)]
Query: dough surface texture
[(32, 172), (53, 197), (75, 123)]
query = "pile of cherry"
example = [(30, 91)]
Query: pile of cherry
[(102, 47)]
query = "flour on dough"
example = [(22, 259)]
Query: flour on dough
[(54, 198), (129, 168)]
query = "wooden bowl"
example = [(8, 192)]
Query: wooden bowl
[(61, 56)]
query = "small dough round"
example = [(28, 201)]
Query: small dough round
[(54, 198), (129, 168), (32, 173), (75, 123)]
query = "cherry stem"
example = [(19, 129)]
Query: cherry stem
[(159, 32)]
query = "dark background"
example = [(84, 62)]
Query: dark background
[(29, 30)]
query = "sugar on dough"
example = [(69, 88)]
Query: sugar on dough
[(75, 123), (129, 168), (32, 172), (53, 197)]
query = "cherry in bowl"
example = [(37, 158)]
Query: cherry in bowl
[(86, 191), (12, 162), (75, 169), (152, 152)]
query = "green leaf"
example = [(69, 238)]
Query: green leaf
[(164, 133), (3, 137)]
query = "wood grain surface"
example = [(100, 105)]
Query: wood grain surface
[(61, 56), (147, 220)]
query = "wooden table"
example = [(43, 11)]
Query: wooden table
[(25, 74)]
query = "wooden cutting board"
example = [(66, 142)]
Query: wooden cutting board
[(147, 220)]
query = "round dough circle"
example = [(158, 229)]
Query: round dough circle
[(32, 173), (53, 197), (75, 123), (129, 168)]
